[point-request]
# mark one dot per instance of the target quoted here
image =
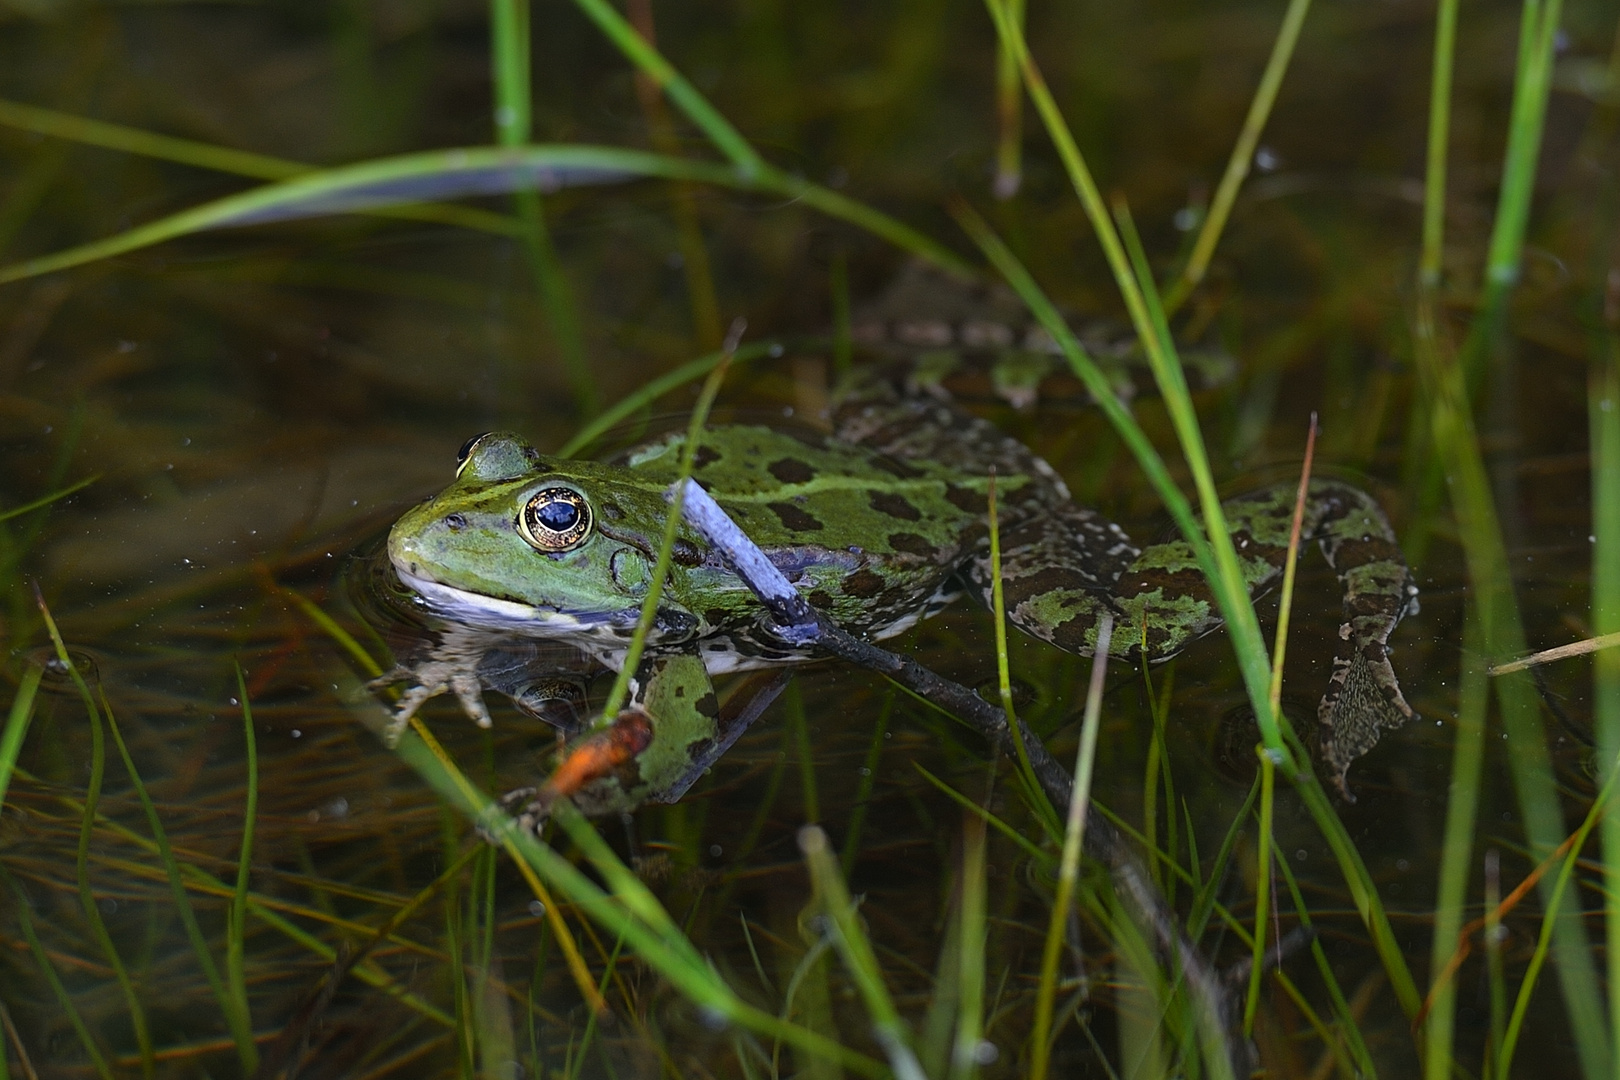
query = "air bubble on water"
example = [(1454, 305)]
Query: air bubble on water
[(715, 850), (985, 1053), (536, 908)]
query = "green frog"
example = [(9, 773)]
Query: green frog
[(880, 521)]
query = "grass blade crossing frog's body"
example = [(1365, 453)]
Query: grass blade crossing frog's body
[(878, 524)]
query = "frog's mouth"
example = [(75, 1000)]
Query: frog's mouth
[(494, 613)]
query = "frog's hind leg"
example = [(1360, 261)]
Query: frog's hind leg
[(1063, 568), (1364, 697), (1060, 564)]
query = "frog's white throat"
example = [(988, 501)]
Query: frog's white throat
[(493, 613)]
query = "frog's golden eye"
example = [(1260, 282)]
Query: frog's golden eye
[(465, 452), (555, 519)]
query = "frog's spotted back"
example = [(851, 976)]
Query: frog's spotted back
[(969, 339)]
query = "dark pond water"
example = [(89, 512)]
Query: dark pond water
[(255, 406)]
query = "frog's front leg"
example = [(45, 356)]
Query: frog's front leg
[(1162, 601), (673, 715)]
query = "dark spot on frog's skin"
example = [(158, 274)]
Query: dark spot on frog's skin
[(715, 616), (686, 553), (791, 470), (820, 599), (706, 455), (863, 584), (795, 519), (612, 511), (680, 691), (707, 705), (911, 544), (964, 499), (895, 505), (455, 522)]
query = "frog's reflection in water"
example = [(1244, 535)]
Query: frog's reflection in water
[(546, 679)]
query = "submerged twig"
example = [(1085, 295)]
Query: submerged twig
[(797, 622)]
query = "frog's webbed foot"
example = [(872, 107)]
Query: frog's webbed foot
[(430, 678), (1363, 701), (1364, 697)]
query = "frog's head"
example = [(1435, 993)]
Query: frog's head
[(523, 541)]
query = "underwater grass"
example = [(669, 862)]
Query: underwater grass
[(1242, 156), (1069, 862), (1604, 409), (509, 49), (626, 907), (1500, 631)]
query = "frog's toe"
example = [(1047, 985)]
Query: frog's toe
[(470, 693), (409, 702), (1363, 701)]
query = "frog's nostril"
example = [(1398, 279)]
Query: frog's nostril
[(455, 522)]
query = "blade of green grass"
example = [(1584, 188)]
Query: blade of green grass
[(1009, 115), (241, 1030), (973, 933), (998, 607), (483, 170), (1031, 851), (509, 46), (1349, 1029), (1551, 920), (856, 952), (1268, 762), (1069, 865), (1434, 178), (672, 523), (1456, 852), (22, 711), (727, 139), (1262, 888), (1237, 166), (46, 500), (1362, 889), (25, 921), (236, 919), (87, 896), (863, 789), (1216, 556), (803, 753), (647, 393), (1502, 636), (148, 144), (626, 908), (238, 1022), (1603, 410)]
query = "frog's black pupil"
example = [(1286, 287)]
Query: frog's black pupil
[(558, 516)]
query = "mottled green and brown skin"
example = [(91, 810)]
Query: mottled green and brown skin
[(878, 524)]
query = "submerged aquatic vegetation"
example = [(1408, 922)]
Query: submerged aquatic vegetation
[(699, 939)]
